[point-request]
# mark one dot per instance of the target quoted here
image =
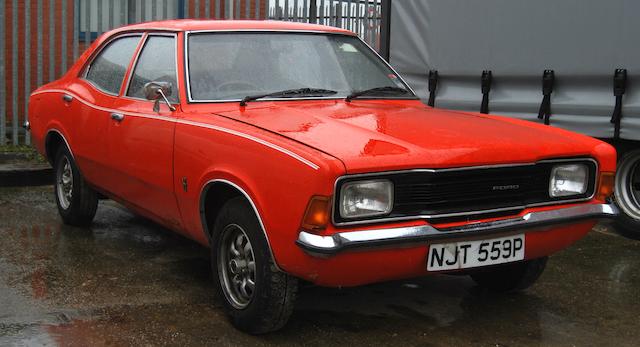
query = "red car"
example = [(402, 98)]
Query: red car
[(295, 152)]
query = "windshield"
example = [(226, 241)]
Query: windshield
[(232, 66)]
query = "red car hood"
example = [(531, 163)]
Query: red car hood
[(391, 135)]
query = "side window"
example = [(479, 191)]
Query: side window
[(108, 69), (157, 63)]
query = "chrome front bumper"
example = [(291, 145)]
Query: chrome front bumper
[(329, 245)]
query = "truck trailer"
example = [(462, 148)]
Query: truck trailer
[(565, 63)]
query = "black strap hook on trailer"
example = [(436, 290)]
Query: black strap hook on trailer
[(433, 84), (619, 87), (486, 79), (548, 78)]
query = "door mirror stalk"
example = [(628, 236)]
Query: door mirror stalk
[(156, 91)]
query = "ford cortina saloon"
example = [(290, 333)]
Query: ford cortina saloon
[(295, 153)]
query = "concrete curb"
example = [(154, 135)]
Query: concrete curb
[(24, 174), (20, 169)]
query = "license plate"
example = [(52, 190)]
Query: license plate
[(468, 254)]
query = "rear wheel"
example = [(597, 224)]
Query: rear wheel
[(510, 277), (77, 202), (627, 194), (257, 297)]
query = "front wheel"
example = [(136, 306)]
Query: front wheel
[(511, 277), (77, 202), (257, 297), (627, 194)]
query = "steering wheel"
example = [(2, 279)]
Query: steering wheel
[(225, 85)]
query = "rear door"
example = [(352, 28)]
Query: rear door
[(140, 140), (89, 101)]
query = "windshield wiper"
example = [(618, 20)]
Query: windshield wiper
[(289, 93), (376, 90)]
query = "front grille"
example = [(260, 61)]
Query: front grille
[(443, 193)]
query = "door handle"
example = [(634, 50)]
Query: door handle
[(67, 98), (118, 117)]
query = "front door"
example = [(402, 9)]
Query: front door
[(141, 140)]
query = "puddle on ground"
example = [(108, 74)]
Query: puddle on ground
[(127, 281)]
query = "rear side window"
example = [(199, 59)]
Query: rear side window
[(108, 69), (157, 63)]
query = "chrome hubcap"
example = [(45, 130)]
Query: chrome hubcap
[(236, 266), (64, 183)]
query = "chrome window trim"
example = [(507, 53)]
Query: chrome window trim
[(85, 70), (390, 67), (271, 30), (467, 213), (203, 220), (187, 74), (123, 93), (135, 63), (97, 88)]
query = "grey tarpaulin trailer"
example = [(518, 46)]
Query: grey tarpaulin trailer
[(582, 42)]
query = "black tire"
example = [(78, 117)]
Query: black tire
[(80, 208), (512, 277), (272, 298), (627, 197)]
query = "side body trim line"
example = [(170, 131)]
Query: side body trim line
[(191, 123)]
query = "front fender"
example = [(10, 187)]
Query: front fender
[(278, 184)]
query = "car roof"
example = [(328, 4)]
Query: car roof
[(229, 25)]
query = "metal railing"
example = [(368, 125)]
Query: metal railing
[(360, 16), (42, 38)]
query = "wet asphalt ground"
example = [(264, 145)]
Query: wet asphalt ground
[(127, 281)]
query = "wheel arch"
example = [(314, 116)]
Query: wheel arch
[(52, 141), (214, 194)]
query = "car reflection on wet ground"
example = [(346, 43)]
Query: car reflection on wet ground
[(127, 281)]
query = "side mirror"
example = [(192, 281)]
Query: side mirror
[(156, 91)]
